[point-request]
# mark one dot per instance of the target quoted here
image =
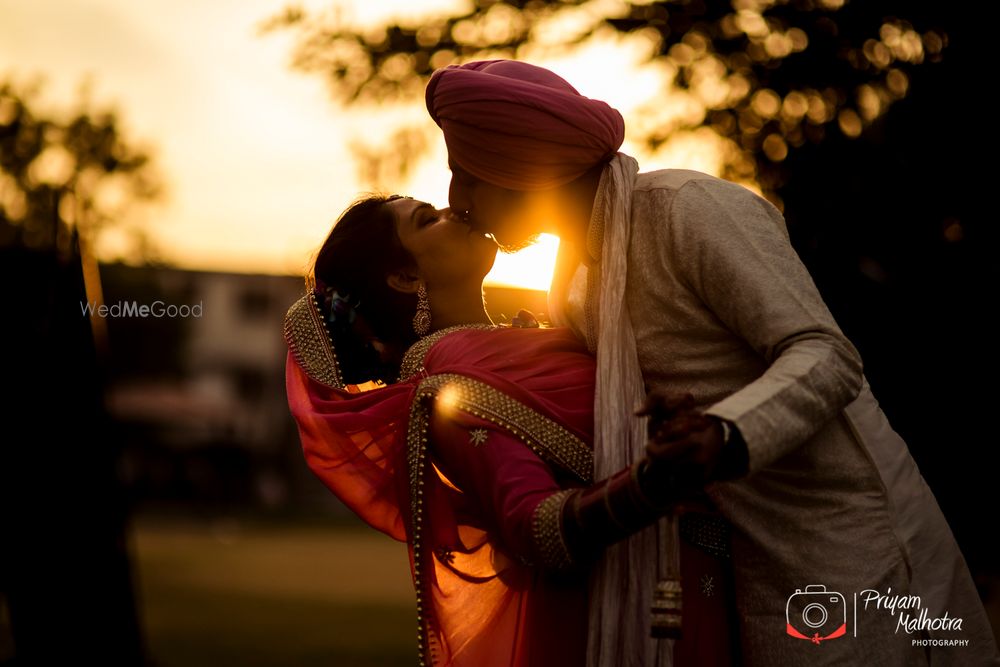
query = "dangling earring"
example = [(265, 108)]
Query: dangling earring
[(422, 320)]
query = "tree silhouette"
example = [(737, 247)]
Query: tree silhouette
[(767, 76), (57, 176), (65, 565)]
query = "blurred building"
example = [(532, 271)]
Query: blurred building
[(197, 388)]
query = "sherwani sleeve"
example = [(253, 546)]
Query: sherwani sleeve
[(731, 249), (504, 480)]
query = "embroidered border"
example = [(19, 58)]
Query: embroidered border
[(595, 248), (416, 455), (546, 531), (309, 341), (413, 359), (708, 532), (553, 443), (549, 440)]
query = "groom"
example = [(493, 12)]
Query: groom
[(686, 285)]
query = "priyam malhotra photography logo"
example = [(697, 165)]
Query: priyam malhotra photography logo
[(818, 615)]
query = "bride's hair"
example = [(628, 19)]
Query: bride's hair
[(370, 323)]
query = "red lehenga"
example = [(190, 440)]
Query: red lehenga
[(454, 460), (439, 461)]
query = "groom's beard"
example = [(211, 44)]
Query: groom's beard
[(510, 248)]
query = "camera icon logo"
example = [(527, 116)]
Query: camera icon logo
[(816, 614)]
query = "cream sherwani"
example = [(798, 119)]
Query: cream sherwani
[(722, 307)]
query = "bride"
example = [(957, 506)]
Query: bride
[(468, 440)]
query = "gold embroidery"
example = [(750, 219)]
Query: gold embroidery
[(595, 248), (553, 443), (309, 342), (595, 227), (478, 436), (708, 532), (549, 440), (416, 452), (546, 530), (413, 360), (707, 585)]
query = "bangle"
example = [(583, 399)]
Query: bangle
[(734, 459), (640, 483), (727, 431)]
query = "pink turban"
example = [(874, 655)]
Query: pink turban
[(519, 126)]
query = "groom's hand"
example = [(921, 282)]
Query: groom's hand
[(682, 439)]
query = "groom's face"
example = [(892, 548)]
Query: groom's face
[(493, 210)]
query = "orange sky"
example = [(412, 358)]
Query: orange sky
[(255, 156)]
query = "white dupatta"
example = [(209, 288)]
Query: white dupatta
[(622, 584)]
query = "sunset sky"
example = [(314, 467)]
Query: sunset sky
[(255, 156)]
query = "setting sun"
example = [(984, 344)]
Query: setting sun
[(256, 159), (530, 268)]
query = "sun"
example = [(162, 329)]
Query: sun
[(528, 268)]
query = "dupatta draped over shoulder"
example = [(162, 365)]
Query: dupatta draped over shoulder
[(524, 395)]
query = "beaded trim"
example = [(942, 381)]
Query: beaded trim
[(416, 455), (708, 532), (547, 532), (413, 360), (551, 442), (309, 342), (595, 228)]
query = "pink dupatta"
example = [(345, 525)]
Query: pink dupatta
[(477, 604)]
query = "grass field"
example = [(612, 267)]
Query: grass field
[(254, 594)]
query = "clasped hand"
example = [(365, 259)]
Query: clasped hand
[(685, 446)]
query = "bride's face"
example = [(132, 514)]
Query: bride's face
[(446, 250)]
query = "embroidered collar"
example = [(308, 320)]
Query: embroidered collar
[(309, 342), (413, 360)]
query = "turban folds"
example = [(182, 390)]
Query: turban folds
[(520, 126)]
